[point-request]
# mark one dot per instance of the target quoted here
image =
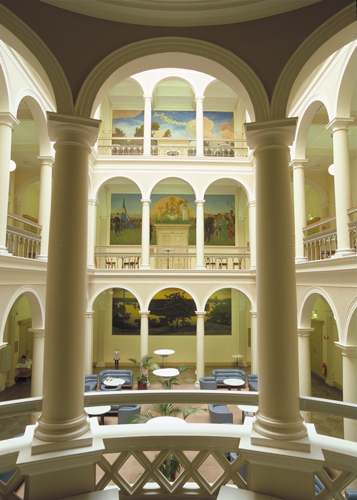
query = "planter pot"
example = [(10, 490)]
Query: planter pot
[(142, 386)]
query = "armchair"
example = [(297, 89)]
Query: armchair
[(208, 383), (126, 411)]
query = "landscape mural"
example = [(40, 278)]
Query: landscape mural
[(125, 313), (172, 312), (126, 218), (218, 319)]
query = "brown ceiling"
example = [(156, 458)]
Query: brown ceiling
[(80, 42)]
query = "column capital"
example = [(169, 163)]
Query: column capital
[(350, 351), (37, 332), (339, 124), (252, 204), (147, 97), (73, 130), (199, 98), (271, 134), (296, 163), (304, 332), (89, 314), (200, 202), (46, 160), (8, 119), (200, 314), (144, 313), (145, 201), (253, 314)]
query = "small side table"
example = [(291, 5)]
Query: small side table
[(97, 411), (238, 356), (247, 409), (164, 353), (234, 382)]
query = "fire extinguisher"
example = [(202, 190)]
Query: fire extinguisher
[(324, 370)]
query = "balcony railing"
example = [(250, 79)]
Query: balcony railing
[(23, 236), (132, 456), (107, 257), (171, 146), (321, 246)]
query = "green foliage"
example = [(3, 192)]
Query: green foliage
[(167, 133), (139, 131), (221, 313), (164, 410), (144, 365), (168, 383), (178, 308)]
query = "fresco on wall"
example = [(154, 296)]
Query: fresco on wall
[(218, 319), (126, 218), (125, 313), (172, 312), (130, 123)]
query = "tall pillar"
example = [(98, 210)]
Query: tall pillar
[(145, 235), (200, 236), (103, 230), (92, 209), (304, 365), (101, 330), (254, 365), (144, 333), (44, 206), (342, 180), (278, 417), (7, 120), (200, 346), (242, 331), (89, 343), (330, 379), (299, 208), (252, 234), (63, 417), (147, 125), (38, 346), (11, 325), (199, 126), (349, 371)]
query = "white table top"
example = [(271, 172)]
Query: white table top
[(113, 382), (97, 410), (164, 352), (234, 382), (237, 356), (166, 372), (248, 408), (166, 420)]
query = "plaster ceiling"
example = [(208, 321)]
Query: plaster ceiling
[(180, 12)]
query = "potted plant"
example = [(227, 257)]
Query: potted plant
[(170, 467), (144, 365)]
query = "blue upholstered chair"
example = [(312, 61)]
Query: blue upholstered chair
[(126, 411), (208, 383), (219, 414), (90, 382), (253, 382)]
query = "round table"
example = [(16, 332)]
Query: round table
[(164, 353), (114, 382), (166, 372), (238, 356), (234, 382), (247, 409), (166, 420), (96, 411)]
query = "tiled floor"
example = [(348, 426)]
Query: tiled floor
[(325, 424)]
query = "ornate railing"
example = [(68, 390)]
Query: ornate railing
[(210, 455), (171, 258), (23, 236), (321, 246)]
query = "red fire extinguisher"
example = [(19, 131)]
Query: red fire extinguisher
[(324, 370)]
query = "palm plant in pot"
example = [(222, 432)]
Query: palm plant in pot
[(144, 366)]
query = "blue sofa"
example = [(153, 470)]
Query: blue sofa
[(221, 374), (219, 414), (253, 382), (208, 383), (90, 382), (351, 494), (126, 375)]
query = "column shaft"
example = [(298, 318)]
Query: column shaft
[(38, 336), (199, 126), (200, 345), (44, 207), (92, 206), (349, 373), (200, 250), (252, 234), (279, 415), (144, 333), (11, 325), (299, 208), (254, 343), (101, 331), (147, 125), (89, 343), (145, 235), (304, 366)]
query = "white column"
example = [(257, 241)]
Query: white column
[(11, 325), (200, 236), (254, 343), (101, 330), (252, 234), (11, 203), (7, 120), (144, 333), (342, 179), (92, 209), (38, 346), (199, 126), (145, 235), (147, 125), (200, 346), (299, 208), (63, 417), (304, 365), (330, 379), (44, 206), (278, 417), (349, 371), (89, 343), (242, 331)]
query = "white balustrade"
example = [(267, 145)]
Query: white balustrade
[(23, 237), (320, 246)]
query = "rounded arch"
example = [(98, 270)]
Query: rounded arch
[(36, 306), (346, 86), (319, 189), (24, 40), (105, 287), (351, 324), (233, 287), (4, 94), (240, 183), (27, 183), (157, 182), (329, 37), (304, 314), (179, 286), (160, 52), (97, 188)]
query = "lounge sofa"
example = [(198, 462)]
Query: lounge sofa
[(208, 383), (126, 375), (253, 382), (90, 382), (219, 414), (221, 374), (351, 494)]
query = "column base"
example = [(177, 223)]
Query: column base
[(145, 266), (42, 258), (200, 268), (300, 445), (300, 260), (252, 268), (285, 435), (11, 383), (3, 251), (343, 252), (330, 382)]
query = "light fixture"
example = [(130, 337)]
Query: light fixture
[(116, 357), (314, 314), (331, 169), (12, 165)]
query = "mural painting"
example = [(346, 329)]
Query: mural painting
[(125, 313), (218, 319), (126, 218), (172, 312)]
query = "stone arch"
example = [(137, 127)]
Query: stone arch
[(304, 313), (160, 52), (240, 183), (105, 287), (27, 183), (233, 287), (351, 325), (331, 36), (4, 94), (180, 286), (346, 86), (99, 186), (20, 37)]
